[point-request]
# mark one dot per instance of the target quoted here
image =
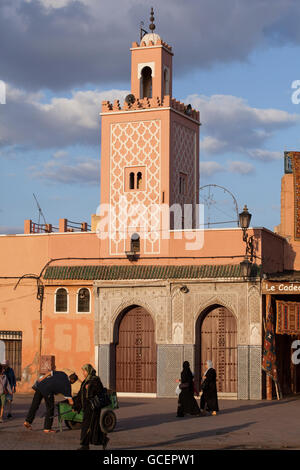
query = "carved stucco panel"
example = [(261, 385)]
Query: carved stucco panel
[(177, 333), (175, 314), (177, 307), (234, 300), (113, 302), (244, 324), (255, 334), (189, 323), (254, 305), (228, 300), (104, 322)]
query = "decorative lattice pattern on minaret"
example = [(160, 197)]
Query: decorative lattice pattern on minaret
[(183, 160), (135, 144)]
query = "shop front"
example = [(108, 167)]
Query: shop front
[(283, 290)]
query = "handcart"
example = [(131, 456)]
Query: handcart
[(73, 420)]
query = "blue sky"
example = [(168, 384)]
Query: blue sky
[(236, 65)]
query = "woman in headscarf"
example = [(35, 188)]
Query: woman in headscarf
[(209, 397), (186, 400), (91, 432)]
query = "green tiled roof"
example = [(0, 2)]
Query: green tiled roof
[(144, 272)]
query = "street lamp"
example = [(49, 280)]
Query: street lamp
[(244, 221), (244, 218), (246, 267)]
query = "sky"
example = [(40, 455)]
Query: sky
[(235, 61)]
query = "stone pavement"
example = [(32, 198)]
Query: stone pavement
[(151, 423)]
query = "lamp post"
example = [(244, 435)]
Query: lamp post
[(244, 221)]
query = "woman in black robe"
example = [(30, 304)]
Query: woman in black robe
[(186, 400), (91, 432), (209, 397)]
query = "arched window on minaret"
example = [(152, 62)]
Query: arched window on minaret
[(131, 180), (166, 82), (139, 180), (146, 82)]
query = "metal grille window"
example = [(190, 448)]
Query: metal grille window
[(83, 301), (13, 350), (61, 300)]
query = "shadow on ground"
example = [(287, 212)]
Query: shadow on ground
[(181, 438)]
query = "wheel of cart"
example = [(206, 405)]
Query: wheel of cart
[(108, 420), (73, 420)]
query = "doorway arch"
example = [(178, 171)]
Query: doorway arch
[(136, 355), (216, 340)]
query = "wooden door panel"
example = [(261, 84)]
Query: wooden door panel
[(219, 344), (136, 362)]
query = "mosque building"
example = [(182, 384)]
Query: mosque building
[(147, 287)]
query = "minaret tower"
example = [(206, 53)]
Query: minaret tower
[(149, 151)]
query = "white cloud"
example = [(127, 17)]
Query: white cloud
[(210, 168), (264, 155), (90, 39), (69, 170), (30, 122), (230, 124), (242, 168), (60, 154), (10, 230)]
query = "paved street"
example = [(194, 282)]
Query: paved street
[(147, 423)]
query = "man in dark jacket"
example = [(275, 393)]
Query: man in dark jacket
[(9, 372), (53, 383)]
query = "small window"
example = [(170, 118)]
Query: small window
[(139, 180), (11, 347), (131, 180), (135, 178), (61, 300), (83, 301), (135, 243)]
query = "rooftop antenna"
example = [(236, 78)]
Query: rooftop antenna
[(40, 210)]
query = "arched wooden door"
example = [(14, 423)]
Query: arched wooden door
[(136, 359), (219, 344)]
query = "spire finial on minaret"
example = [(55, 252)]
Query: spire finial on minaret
[(152, 25)]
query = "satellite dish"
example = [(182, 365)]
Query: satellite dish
[(188, 109), (130, 99)]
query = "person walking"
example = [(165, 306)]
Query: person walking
[(91, 432), (186, 399), (4, 390), (10, 374), (53, 383), (209, 397)]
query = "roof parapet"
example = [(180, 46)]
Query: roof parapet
[(158, 42), (148, 103)]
